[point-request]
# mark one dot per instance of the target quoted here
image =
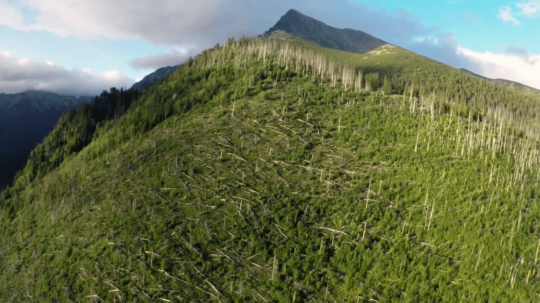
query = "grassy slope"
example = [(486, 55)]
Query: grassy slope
[(224, 185)]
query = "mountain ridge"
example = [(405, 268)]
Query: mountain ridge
[(350, 40), (149, 79), (310, 29), (505, 82)]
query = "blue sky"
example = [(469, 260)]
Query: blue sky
[(83, 47), (475, 23)]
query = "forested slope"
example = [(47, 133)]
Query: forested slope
[(269, 171)]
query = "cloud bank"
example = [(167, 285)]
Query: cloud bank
[(516, 65), (445, 49), (21, 74)]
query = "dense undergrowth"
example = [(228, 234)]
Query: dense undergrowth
[(252, 177)]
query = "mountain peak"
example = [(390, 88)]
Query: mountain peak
[(310, 29), (293, 11)]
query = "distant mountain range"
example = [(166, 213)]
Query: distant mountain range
[(25, 119)]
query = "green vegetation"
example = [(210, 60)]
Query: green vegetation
[(372, 82), (430, 79), (265, 171), (74, 131)]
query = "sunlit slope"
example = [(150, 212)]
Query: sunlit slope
[(250, 174), (429, 79)]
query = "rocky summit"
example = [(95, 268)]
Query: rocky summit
[(307, 28)]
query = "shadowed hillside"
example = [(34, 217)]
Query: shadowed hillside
[(25, 119)]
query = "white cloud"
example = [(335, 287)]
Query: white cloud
[(11, 16), (530, 8), (156, 61), (23, 61), (505, 14), (514, 65), (444, 48), (20, 74)]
